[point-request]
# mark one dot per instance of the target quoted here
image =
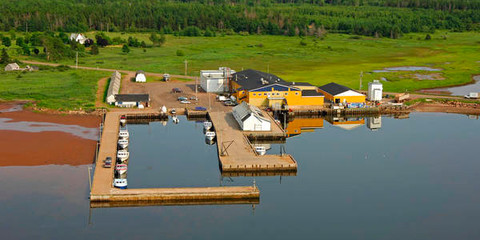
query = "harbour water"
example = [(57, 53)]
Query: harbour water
[(413, 178)]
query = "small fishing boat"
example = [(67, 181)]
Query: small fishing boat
[(120, 175), (207, 125), (120, 183), (121, 168), (261, 150), (209, 141), (164, 109), (123, 119), (123, 143), (123, 133), (123, 155), (175, 119), (210, 135)]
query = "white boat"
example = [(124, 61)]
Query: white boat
[(121, 168), (123, 155), (123, 133), (123, 143), (120, 183), (207, 125), (210, 135), (123, 119), (261, 150), (175, 119), (164, 109)]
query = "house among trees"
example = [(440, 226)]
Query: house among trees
[(140, 76), (12, 67), (78, 37)]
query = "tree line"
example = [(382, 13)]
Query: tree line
[(388, 18)]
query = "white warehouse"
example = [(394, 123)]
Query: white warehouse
[(375, 90), (215, 81), (250, 118)]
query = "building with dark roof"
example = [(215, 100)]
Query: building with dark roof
[(267, 90), (337, 93), (132, 100)]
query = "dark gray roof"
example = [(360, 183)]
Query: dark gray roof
[(132, 98), (140, 71), (334, 89), (299, 84), (311, 93), (252, 79)]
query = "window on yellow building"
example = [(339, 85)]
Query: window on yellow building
[(254, 94), (296, 93)]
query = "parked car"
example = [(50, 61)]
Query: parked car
[(222, 98), (176, 90), (193, 98), (200, 108), (229, 103), (107, 159), (182, 98), (185, 102)]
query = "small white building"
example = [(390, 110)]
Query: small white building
[(132, 100), (140, 76), (250, 118), (215, 81), (12, 67), (375, 90), (78, 37), (113, 87)]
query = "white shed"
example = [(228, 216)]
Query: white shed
[(250, 118), (375, 90), (12, 67), (140, 76), (215, 80)]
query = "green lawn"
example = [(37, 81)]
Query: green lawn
[(52, 89), (338, 58)]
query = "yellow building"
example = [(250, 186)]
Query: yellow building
[(267, 90), (336, 93)]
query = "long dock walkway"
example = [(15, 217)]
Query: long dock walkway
[(103, 190), (235, 152)]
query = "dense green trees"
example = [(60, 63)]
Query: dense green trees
[(387, 18)]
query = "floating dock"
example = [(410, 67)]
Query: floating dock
[(235, 152), (103, 190)]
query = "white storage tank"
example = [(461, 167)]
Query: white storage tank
[(375, 90)]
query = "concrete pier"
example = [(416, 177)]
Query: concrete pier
[(103, 190), (235, 152)]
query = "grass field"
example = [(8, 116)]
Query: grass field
[(338, 58), (52, 89)]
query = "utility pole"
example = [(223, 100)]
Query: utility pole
[(186, 66), (76, 60), (361, 78)]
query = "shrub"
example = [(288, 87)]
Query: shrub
[(180, 53)]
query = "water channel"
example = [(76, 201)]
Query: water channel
[(415, 178)]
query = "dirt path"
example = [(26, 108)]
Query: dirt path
[(100, 91), (109, 70)]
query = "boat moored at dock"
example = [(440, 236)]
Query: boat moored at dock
[(120, 183), (123, 155), (261, 150), (123, 119), (121, 168), (123, 143), (123, 133), (210, 135), (207, 125)]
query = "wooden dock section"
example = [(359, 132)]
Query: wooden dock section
[(235, 152), (103, 190)]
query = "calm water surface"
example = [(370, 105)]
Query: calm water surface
[(412, 179)]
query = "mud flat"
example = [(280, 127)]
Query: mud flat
[(31, 139)]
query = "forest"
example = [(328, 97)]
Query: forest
[(379, 18)]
